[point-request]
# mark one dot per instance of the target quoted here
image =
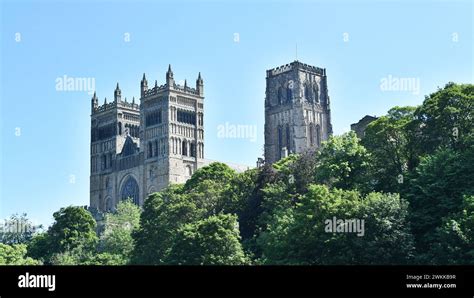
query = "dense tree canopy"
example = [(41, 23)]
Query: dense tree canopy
[(343, 163), (15, 254), (116, 239), (298, 235), (74, 227), (214, 240)]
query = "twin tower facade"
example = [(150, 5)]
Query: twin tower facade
[(140, 148)]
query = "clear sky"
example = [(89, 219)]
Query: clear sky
[(45, 132)]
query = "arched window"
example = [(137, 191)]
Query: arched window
[(280, 95), (156, 148), (287, 134), (193, 150), (120, 128), (185, 148), (130, 190), (109, 204), (316, 92), (189, 171), (318, 135), (110, 160), (280, 138), (289, 93), (150, 149), (311, 134), (307, 93)]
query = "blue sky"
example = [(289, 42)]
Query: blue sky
[(45, 133)]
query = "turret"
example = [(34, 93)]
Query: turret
[(200, 85), (94, 102), (117, 93), (169, 77), (143, 86)]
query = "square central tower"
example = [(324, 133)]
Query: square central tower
[(297, 110)]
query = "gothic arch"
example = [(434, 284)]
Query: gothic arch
[(318, 135), (287, 137), (280, 95), (185, 148), (307, 92), (289, 93), (150, 149), (189, 171), (316, 92), (280, 137), (108, 204), (311, 134), (151, 190), (129, 189)]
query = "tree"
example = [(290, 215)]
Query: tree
[(18, 230), (298, 235), (214, 240), (436, 190), (118, 226), (73, 227), (15, 255), (389, 140), (454, 238), (85, 256), (343, 163), (252, 209), (445, 118), (216, 171), (163, 214)]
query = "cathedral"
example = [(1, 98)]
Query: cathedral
[(140, 148)]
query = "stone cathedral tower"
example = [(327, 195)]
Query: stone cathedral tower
[(297, 110), (138, 149)]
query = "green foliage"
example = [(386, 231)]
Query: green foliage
[(214, 240), (118, 227), (454, 238), (436, 190), (73, 227), (297, 235), (389, 139), (343, 163), (15, 254), (284, 164), (84, 256), (163, 214), (445, 118), (217, 171), (174, 221), (253, 203), (38, 247), (18, 229)]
